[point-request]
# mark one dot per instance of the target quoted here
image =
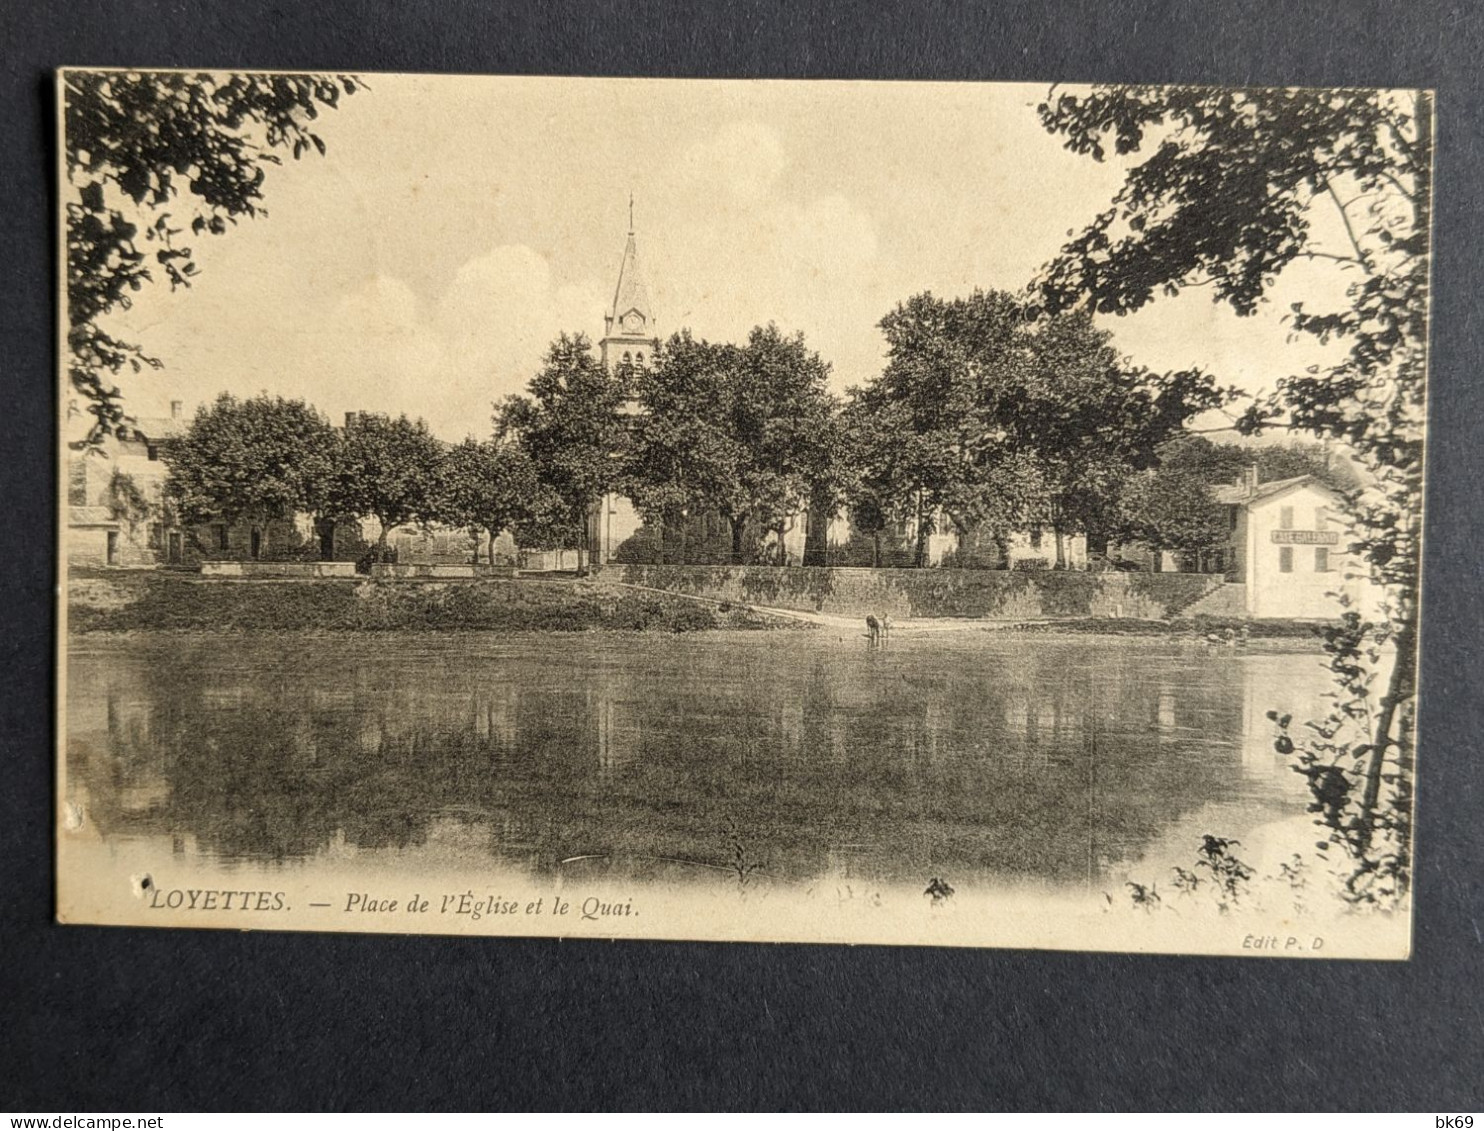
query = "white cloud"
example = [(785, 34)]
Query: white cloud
[(383, 349), (376, 351), (755, 254), (500, 312)]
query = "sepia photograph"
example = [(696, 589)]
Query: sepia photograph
[(931, 513)]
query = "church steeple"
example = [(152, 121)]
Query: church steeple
[(628, 327)]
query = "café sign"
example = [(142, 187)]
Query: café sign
[(1306, 537)]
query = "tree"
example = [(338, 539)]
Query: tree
[(547, 523), (256, 460), (676, 462), (744, 431), (1090, 421), (1000, 422), (1229, 195), (1291, 460), (889, 464), (386, 468), (778, 420), (1172, 508), (932, 422), (571, 428), (484, 485), (152, 155)]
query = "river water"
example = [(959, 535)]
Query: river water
[(1040, 759)]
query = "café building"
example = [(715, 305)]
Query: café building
[(1289, 548)]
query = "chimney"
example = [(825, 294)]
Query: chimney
[(175, 409), (350, 419), (1252, 479)]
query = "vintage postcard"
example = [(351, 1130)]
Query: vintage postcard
[(868, 512)]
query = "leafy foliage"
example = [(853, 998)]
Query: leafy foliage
[(779, 416), (677, 463), (1001, 422), (1172, 508), (1336, 755), (151, 156), (484, 485), (570, 427), (747, 431), (386, 467), (1228, 196), (260, 459), (127, 501)]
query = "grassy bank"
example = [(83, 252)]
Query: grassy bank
[(131, 602)]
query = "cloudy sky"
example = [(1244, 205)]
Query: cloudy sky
[(457, 224)]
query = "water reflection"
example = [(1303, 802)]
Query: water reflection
[(1034, 758)]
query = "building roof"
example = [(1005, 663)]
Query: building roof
[(631, 293), (1241, 495), (159, 427)]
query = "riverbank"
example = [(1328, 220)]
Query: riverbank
[(930, 594), (118, 601), (157, 601)]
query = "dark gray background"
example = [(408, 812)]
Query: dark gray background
[(158, 1020)]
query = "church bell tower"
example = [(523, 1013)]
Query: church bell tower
[(628, 336), (628, 327)]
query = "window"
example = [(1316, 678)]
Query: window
[(153, 451), (221, 536), (1035, 538), (1321, 518), (1285, 518), (1285, 559), (156, 536), (1321, 559)]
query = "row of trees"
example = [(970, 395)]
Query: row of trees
[(741, 431), (746, 432), (982, 419), (992, 420), (267, 458)]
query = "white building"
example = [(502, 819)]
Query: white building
[(115, 498), (1289, 549)]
